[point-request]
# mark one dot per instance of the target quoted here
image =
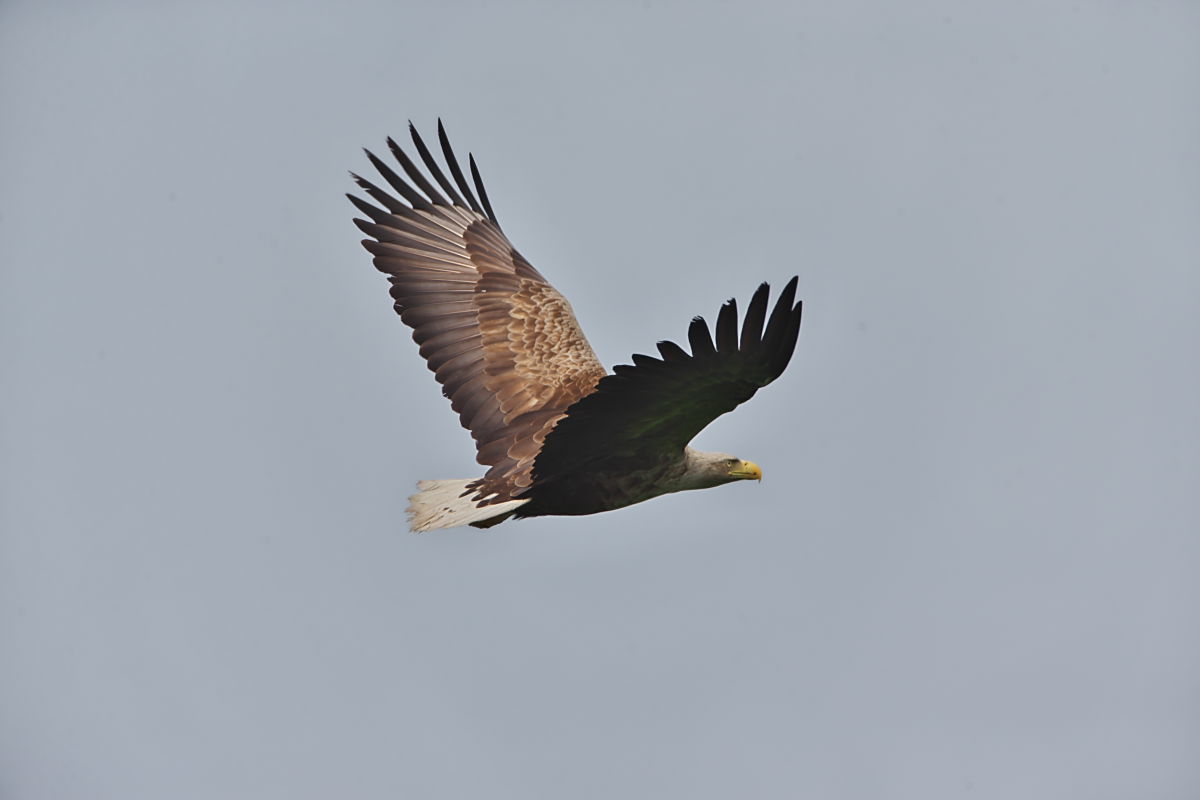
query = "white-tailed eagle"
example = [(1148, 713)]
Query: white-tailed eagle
[(557, 432)]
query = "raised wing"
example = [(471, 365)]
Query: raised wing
[(500, 339), (658, 405)]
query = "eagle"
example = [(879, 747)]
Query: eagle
[(558, 433)]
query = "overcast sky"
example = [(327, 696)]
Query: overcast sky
[(971, 570)]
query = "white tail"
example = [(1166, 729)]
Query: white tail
[(441, 504)]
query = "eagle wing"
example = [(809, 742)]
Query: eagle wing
[(655, 406), (500, 339)]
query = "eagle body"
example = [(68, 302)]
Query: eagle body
[(621, 481), (559, 434)]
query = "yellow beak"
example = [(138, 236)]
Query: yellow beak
[(747, 470)]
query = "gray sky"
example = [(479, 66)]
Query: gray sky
[(970, 571)]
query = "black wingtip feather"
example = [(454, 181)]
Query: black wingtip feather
[(383, 198), (483, 197), (646, 362), (377, 214), (756, 312), (727, 327), (396, 182), (389, 203), (787, 347), (414, 173), (671, 351), (778, 323), (700, 339), (455, 169), (789, 290), (434, 170)]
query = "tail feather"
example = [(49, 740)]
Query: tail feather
[(442, 504)]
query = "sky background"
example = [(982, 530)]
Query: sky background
[(971, 570)]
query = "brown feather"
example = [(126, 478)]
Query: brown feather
[(504, 344)]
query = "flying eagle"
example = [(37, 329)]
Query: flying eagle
[(557, 432)]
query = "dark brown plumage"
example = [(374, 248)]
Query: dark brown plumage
[(558, 434)]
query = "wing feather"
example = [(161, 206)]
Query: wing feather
[(502, 342), (414, 173), (434, 170), (700, 339), (483, 197), (727, 332), (756, 313), (455, 170)]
